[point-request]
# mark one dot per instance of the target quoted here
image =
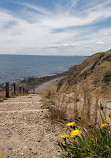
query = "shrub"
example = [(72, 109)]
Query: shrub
[(1, 99), (55, 114), (93, 143), (107, 77)]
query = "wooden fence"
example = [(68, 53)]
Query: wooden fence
[(15, 90)]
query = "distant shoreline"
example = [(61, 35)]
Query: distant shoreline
[(35, 82), (18, 68)]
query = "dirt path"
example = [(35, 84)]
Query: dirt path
[(46, 85), (24, 130)]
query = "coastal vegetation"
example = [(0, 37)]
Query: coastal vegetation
[(2, 156), (87, 142), (84, 96), (96, 69)]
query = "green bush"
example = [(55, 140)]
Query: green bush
[(93, 143)]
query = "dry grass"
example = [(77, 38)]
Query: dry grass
[(96, 68), (57, 114), (83, 93), (83, 101)]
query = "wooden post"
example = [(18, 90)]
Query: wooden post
[(34, 91), (20, 90), (7, 90), (23, 90), (27, 91), (14, 85)]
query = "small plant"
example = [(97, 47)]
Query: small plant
[(56, 113), (1, 99), (2, 156), (46, 106), (84, 143)]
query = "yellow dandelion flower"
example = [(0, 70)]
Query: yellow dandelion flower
[(74, 133), (1, 99), (64, 136), (104, 125), (109, 118), (41, 105), (70, 124), (52, 106)]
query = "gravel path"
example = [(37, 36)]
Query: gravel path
[(46, 85), (24, 130)]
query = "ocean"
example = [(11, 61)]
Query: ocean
[(14, 68)]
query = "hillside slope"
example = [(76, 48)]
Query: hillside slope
[(96, 68)]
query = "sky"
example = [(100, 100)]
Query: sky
[(55, 27)]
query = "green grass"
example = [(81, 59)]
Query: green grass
[(93, 143)]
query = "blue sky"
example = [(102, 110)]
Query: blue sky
[(55, 27)]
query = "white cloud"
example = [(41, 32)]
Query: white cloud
[(99, 42), (36, 8), (74, 2), (65, 30)]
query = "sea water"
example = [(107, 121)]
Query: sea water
[(17, 67)]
